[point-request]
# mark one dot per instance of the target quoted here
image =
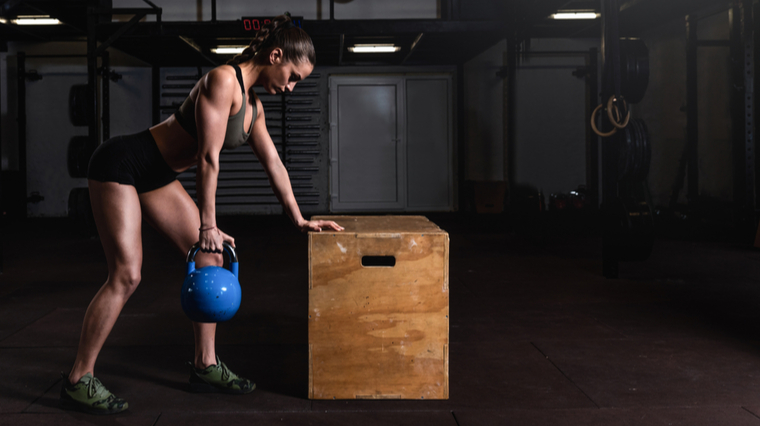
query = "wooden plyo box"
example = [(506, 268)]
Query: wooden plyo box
[(379, 332)]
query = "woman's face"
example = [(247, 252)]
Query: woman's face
[(282, 76)]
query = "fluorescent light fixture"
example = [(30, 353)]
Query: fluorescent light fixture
[(576, 15), (374, 48), (3, 21), (228, 50), (35, 20)]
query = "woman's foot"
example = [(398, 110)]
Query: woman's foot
[(89, 395), (218, 379)]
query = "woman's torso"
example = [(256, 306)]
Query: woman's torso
[(180, 149)]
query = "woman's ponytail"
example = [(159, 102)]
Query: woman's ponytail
[(280, 33)]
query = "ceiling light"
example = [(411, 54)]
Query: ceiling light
[(35, 20), (374, 48), (228, 50), (576, 15)]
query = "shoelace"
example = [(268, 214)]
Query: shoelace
[(95, 387), (225, 372)]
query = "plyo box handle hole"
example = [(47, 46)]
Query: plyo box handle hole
[(378, 261)]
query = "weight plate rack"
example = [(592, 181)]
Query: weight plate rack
[(294, 121)]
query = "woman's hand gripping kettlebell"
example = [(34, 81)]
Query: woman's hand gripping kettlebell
[(211, 239)]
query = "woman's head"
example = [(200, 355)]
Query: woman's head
[(284, 51)]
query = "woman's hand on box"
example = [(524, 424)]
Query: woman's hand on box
[(320, 225)]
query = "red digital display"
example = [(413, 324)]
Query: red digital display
[(252, 23)]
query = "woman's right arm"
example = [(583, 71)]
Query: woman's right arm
[(212, 109)]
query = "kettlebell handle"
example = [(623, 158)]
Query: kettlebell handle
[(227, 248)]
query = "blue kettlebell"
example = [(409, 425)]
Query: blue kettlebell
[(211, 294)]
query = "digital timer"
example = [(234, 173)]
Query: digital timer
[(253, 23)]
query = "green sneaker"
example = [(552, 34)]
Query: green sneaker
[(89, 395), (218, 379)]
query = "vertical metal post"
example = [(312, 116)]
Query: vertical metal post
[(21, 87), (742, 55), (2, 205), (461, 146), (213, 10), (748, 101), (156, 93), (737, 115), (610, 145), (510, 95), (332, 10), (341, 48), (610, 48), (756, 87), (592, 139), (447, 10), (105, 81), (692, 113), (92, 74)]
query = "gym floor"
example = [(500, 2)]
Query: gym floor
[(537, 335)]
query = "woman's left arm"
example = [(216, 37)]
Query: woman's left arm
[(266, 152)]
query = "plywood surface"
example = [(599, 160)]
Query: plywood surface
[(379, 332), (384, 224)]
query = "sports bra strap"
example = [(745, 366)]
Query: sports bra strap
[(240, 78)]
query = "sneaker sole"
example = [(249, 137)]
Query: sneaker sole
[(208, 388), (76, 406)]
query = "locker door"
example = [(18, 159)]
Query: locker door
[(367, 150)]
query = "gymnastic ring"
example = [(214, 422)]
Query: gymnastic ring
[(614, 122), (595, 129)]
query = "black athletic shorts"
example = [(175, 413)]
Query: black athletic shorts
[(131, 160)]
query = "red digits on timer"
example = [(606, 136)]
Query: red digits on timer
[(256, 24), (251, 24)]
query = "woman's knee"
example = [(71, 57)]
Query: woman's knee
[(126, 279)]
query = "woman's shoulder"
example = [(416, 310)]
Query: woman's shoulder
[(220, 78)]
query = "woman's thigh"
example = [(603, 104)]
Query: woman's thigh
[(172, 212), (116, 208)]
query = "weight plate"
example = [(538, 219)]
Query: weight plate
[(637, 156), (647, 151), (625, 163), (634, 69)]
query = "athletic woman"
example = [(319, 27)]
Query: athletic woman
[(134, 177)]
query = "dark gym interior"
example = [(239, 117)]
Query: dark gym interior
[(592, 161)]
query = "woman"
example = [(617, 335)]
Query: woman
[(134, 177)]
